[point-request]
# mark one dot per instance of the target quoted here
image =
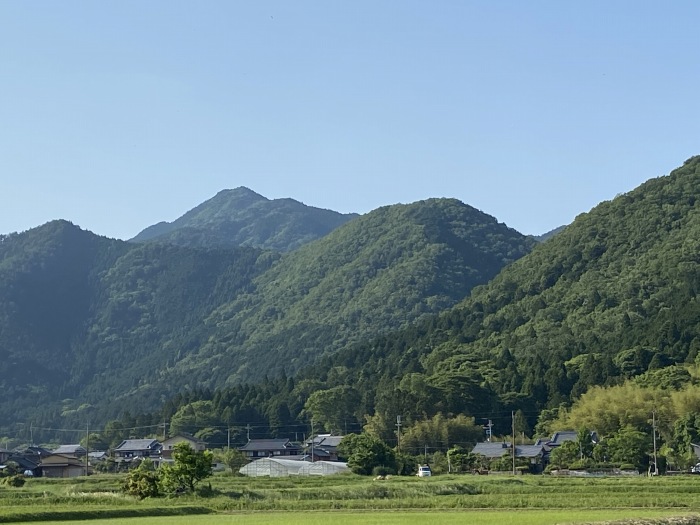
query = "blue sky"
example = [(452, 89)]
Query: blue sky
[(119, 114)]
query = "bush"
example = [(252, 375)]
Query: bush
[(14, 481), (383, 471), (142, 482), (406, 464), (365, 452)]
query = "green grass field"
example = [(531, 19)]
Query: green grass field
[(349, 499), (472, 517)]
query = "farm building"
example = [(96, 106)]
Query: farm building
[(277, 468)]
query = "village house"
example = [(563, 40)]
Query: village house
[(169, 444), (137, 448), (323, 447), (75, 451), (263, 448), (535, 454), (62, 466)]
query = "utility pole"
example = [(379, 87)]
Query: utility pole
[(31, 434), (512, 422), (165, 430), (313, 440), (398, 433), (228, 438), (488, 430), (653, 429), (87, 448), (247, 427)]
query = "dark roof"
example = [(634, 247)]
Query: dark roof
[(320, 452), (496, 450), (491, 450), (26, 462), (568, 435), (565, 435), (70, 449), (40, 451), (138, 444), (331, 441), (270, 444), (528, 451)]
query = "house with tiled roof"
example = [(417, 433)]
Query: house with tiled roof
[(137, 448), (323, 447), (535, 454), (71, 450), (62, 466), (28, 462), (264, 448)]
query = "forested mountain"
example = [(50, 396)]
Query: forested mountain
[(613, 295), (377, 273), (241, 217), (85, 319), (550, 233), (91, 327), (613, 298)]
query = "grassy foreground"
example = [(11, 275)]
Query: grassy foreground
[(349, 499), (489, 517)]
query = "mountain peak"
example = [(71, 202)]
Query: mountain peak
[(242, 217), (241, 192)]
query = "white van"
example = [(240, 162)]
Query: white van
[(424, 471)]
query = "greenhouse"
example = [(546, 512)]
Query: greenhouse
[(278, 468), (323, 468)]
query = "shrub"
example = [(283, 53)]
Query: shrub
[(14, 481), (142, 482), (383, 471)]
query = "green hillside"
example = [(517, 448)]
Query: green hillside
[(85, 319), (241, 217), (377, 273), (611, 301), (610, 297), (94, 326)]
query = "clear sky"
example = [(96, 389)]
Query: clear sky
[(119, 114)]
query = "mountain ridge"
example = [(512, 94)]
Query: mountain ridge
[(155, 318), (242, 217)]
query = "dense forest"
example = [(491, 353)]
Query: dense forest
[(93, 327), (598, 327)]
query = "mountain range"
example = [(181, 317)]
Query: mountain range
[(93, 326), (419, 309)]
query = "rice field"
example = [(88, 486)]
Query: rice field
[(349, 499)]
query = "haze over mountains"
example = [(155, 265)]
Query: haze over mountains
[(411, 309)]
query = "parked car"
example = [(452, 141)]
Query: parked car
[(424, 471)]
